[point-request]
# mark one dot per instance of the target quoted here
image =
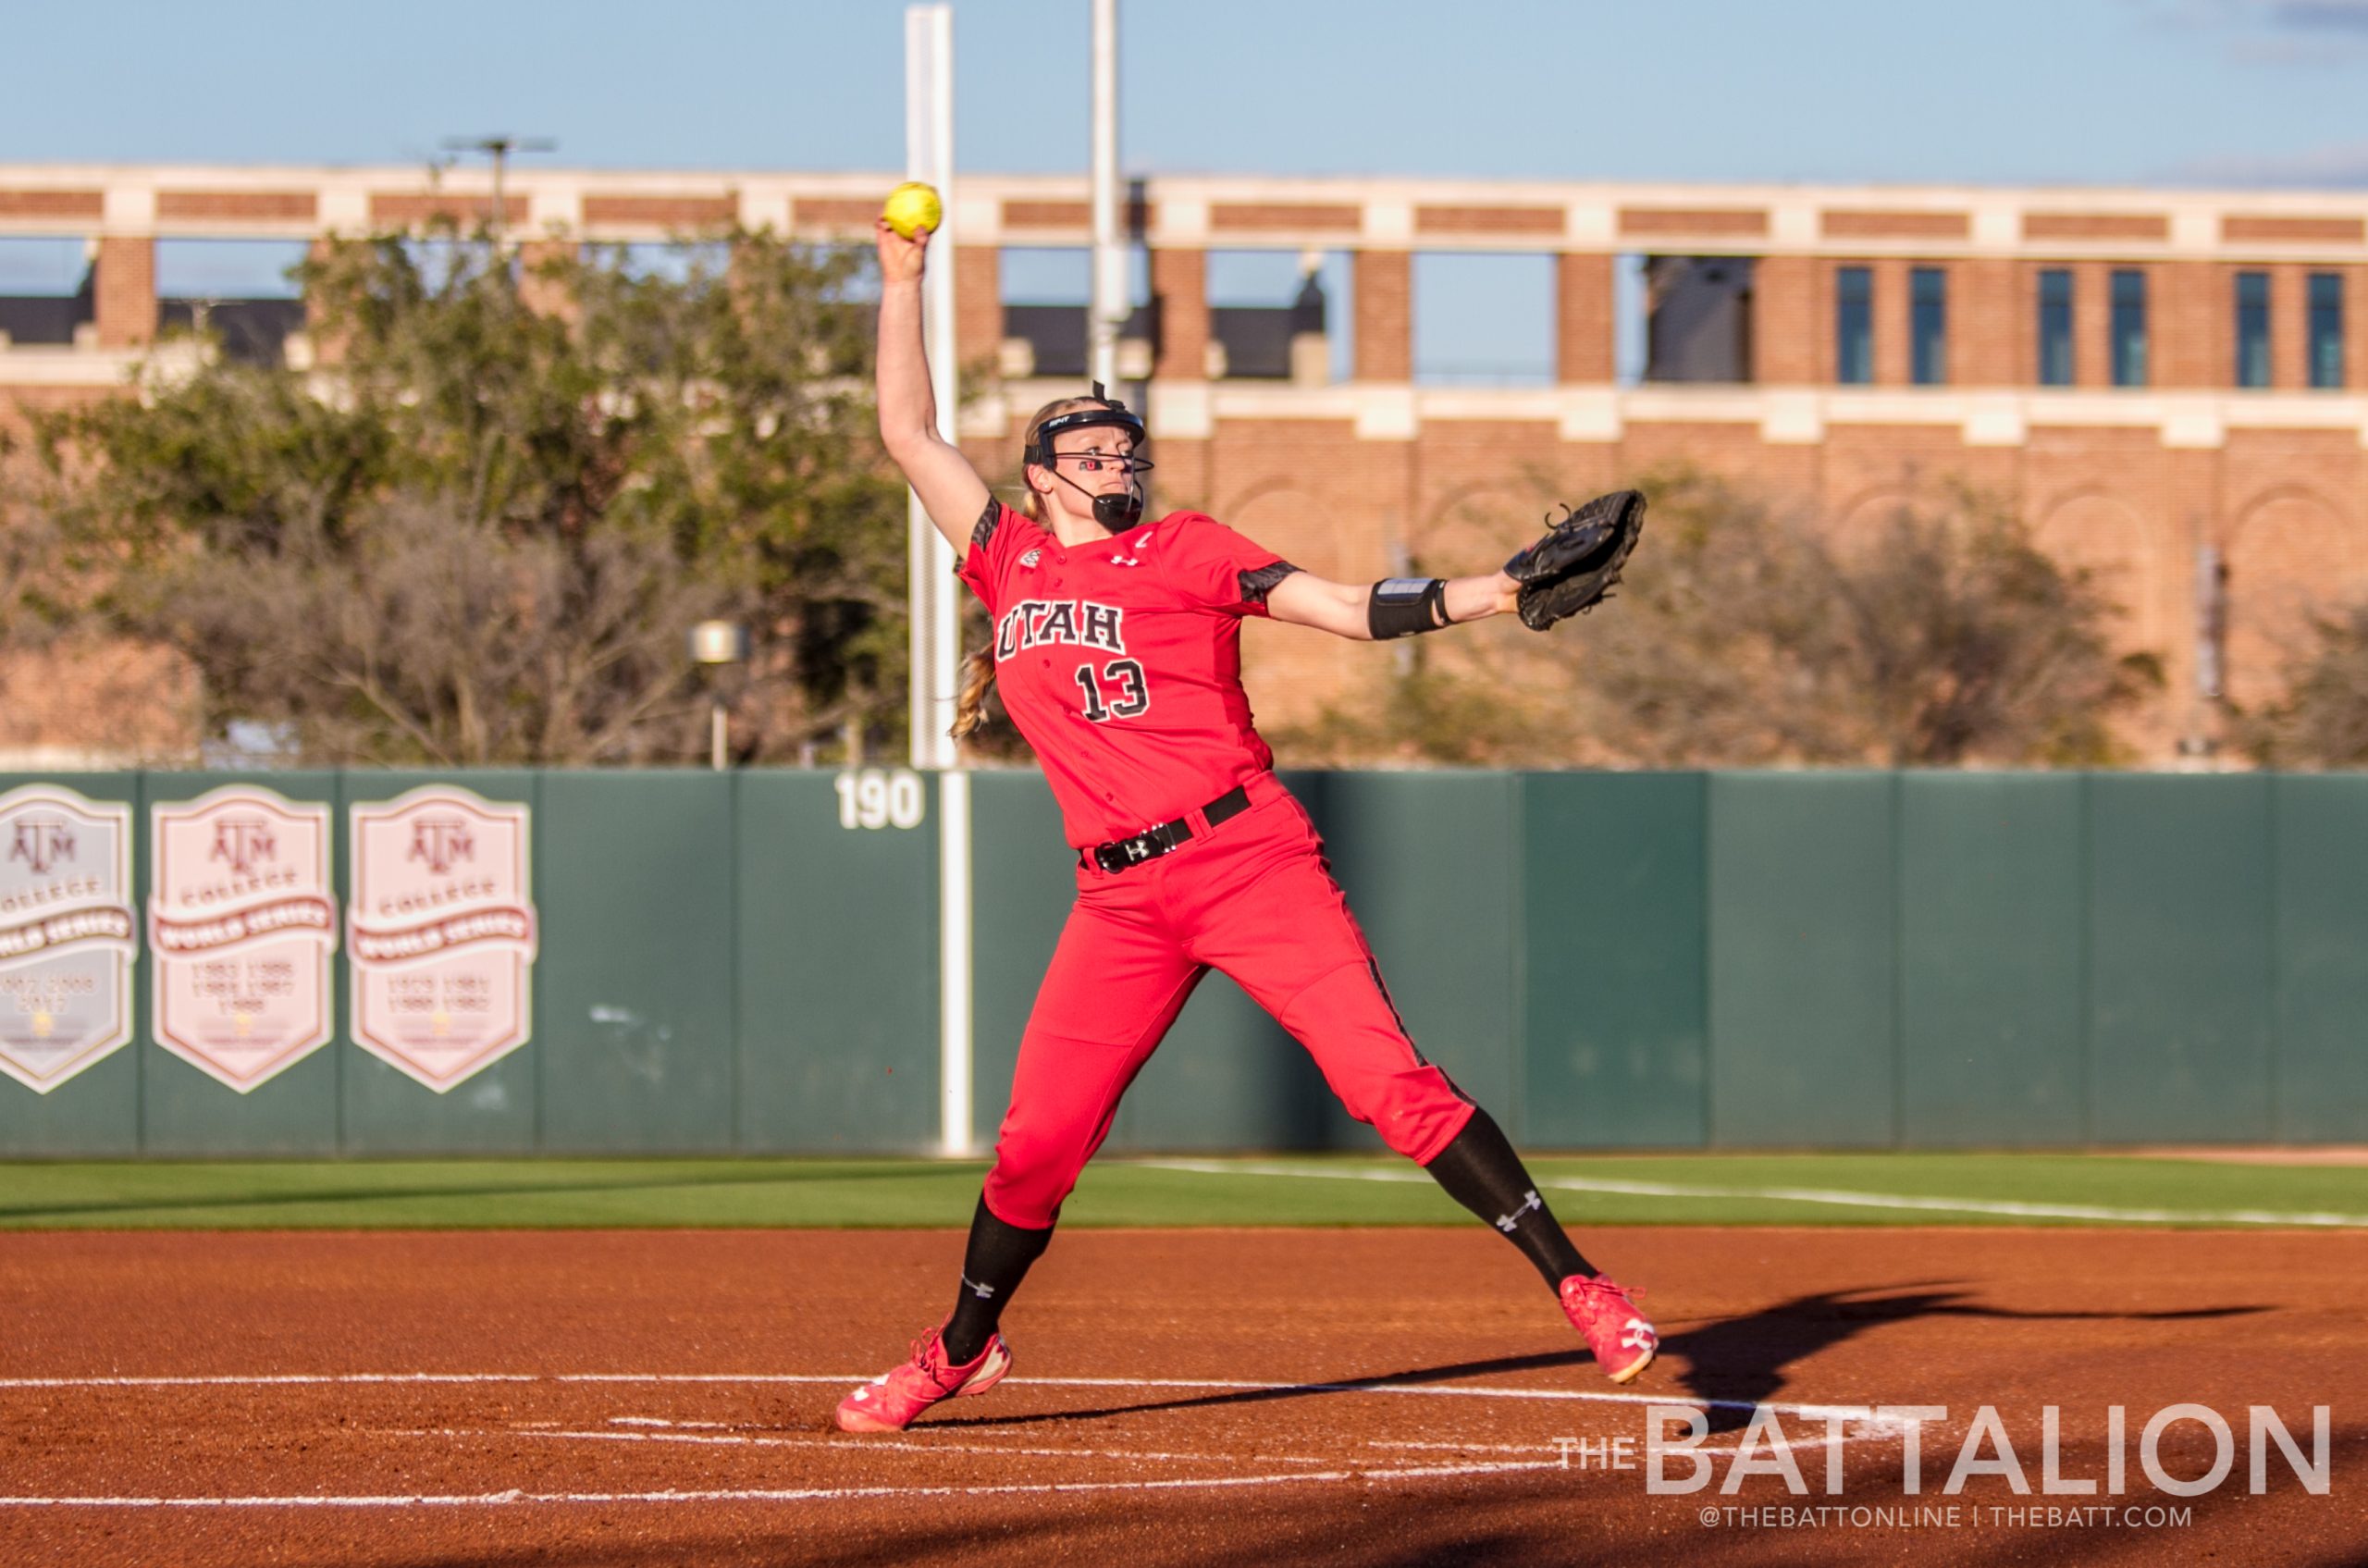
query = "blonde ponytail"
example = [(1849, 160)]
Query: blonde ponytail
[(979, 664), (971, 707)]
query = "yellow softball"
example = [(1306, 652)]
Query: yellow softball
[(913, 208)]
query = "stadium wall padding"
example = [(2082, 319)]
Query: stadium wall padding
[(1803, 959), (1991, 984), (1605, 960)]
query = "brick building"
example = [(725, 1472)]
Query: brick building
[(2161, 382)]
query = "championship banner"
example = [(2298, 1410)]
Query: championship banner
[(441, 932), (68, 935), (242, 927)]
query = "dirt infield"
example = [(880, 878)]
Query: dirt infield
[(1361, 1397), (2308, 1154)]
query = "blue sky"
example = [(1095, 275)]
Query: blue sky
[(1840, 90), (2135, 92)]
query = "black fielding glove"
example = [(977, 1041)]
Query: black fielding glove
[(1572, 568)]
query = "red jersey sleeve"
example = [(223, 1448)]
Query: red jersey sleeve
[(991, 542), (1216, 567)]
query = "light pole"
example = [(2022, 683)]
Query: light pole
[(498, 149), (716, 648), (933, 599), (1107, 311)]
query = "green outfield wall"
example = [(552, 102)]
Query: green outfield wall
[(748, 962)]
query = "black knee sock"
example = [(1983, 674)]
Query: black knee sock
[(1480, 1170), (992, 1266)]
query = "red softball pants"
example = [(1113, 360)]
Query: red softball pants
[(1253, 897)]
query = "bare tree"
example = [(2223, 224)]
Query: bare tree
[(1746, 633), (428, 635)]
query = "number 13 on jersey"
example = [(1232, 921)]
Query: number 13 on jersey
[(1117, 691)]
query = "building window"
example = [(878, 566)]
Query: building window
[(1854, 326), (1927, 326), (1699, 324), (2129, 327), (2055, 326), (2327, 330), (2253, 329)]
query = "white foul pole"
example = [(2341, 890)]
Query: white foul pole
[(933, 600), (1108, 311)]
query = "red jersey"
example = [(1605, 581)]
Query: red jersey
[(1120, 661)]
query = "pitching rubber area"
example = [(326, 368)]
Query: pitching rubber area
[(1396, 1396)]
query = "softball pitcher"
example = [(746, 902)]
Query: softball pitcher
[(1117, 649)]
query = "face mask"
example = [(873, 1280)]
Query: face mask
[(1118, 512)]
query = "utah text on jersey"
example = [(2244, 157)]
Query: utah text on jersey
[(1081, 622)]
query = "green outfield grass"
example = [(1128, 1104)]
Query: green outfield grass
[(1858, 1189)]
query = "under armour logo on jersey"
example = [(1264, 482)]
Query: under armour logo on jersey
[(1530, 1200), (982, 1291), (1032, 558), (1126, 561)]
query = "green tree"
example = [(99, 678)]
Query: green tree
[(480, 531), (2322, 718)]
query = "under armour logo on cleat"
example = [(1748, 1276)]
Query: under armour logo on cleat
[(1639, 1336), (1531, 1201)]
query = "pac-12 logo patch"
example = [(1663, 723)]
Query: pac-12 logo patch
[(1032, 558)]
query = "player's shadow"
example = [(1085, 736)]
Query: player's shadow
[(1732, 1363)]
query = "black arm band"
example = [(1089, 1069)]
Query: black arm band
[(1402, 606)]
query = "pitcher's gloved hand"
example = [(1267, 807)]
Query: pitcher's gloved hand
[(1574, 566)]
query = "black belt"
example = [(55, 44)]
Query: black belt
[(1153, 842)]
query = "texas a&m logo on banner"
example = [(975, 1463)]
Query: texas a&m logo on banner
[(242, 925), (442, 931), (68, 935)]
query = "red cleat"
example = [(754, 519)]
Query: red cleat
[(1623, 1341), (889, 1402)]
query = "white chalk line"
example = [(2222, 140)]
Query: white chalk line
[(1464, 1448), (1220, 1385), (514, 1497), (652, 1429), (869, 1444), (657, 1425), (1562, 1451), (1875, 1431), (797, 1494), (2001, 1208)]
